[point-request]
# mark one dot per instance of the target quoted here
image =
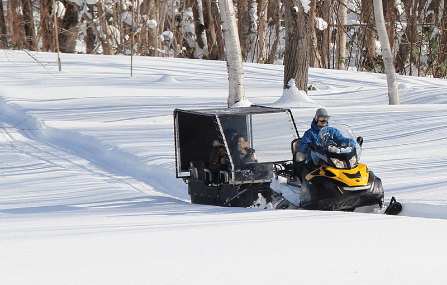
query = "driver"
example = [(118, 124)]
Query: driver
[(314, 136)]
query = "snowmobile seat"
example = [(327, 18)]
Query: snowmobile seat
[(299, 158), (297, 155)]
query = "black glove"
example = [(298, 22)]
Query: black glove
[(249, 151), (311, 146)]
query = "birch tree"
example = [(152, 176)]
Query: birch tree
[(234, 55), (262, 30), (388, 60), (341, 34)]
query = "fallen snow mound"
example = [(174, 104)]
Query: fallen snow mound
[(293, 97)]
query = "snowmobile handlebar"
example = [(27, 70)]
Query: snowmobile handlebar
[(313, 147)]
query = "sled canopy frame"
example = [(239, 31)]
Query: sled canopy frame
[(196, 130)]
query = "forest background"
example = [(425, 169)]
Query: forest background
[(343, 33)]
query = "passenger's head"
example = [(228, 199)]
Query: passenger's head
[(241, 143)]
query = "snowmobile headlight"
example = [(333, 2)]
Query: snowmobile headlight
[(353, 161), (376, 187), (338, 163)]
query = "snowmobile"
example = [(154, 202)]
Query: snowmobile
[(336, 180), (235, 156)]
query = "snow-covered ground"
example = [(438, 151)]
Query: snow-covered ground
[(88, 193)]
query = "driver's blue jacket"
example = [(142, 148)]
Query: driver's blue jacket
[(315, 136)]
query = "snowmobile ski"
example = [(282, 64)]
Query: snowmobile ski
[(394, 208)]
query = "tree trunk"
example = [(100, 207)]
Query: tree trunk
[(92, 32), (388, 60), (390, 14), (441, 70), (28, 24), (262, 30), (153, 39), (210, 28), (369, 34), (327, 34), (234, 56), (46, 25), (16, 23), (199, 27), (342, 21), (296, 62), (104, 34), (244, 26), (219, 34), (118, 22), (409, 38), (252, 55), (315, 57), (276, 14), (3, 31), (69, 28)]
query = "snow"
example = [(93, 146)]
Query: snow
[(292, 97), (88, 193), (306, 5), (320, 24)]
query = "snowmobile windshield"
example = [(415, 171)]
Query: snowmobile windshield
[(340, 148)]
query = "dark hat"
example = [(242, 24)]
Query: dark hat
[(321, 113)]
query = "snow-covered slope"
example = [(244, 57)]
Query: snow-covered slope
[(88, 193)]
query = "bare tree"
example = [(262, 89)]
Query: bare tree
[(3, 31), (243, 22), (327, 34), (388, 59), (219, 33), (315, 58), (46, 25), (276, 13), (92, 31), (15, 9), (69, 28), (28, 25), (367, 16), (409, 38), (153, 39), (391, 16), (234, 56), (105, 37), (262, 30), (342, 21), (441, 71), (199, 27), (296, 58), (210, 29)]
